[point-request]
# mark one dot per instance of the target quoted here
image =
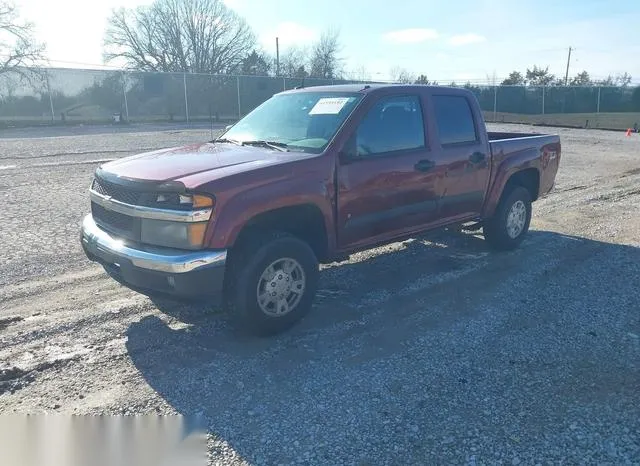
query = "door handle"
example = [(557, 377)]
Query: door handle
[(477, 157), (424, 165)]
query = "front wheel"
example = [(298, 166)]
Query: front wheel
[(510, 223), (275, 285)]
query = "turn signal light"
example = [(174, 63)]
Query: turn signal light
[(196, 233), (202, 201)]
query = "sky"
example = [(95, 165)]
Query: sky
[(476, 40)]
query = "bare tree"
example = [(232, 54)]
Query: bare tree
[(199, 36), (492, 79), (608, 81), (325, 60), (401, 75), (294, 62), (359, 74), (623, 80), (19, 51)]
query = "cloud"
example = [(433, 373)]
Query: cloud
[(466, 39), (410, 36), (288, 34)]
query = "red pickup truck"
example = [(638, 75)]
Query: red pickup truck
[(308, 177)]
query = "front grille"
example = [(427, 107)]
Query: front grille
[(168, 200), (112, 220), (118, 193)]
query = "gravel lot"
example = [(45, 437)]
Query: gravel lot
[(429, 351)]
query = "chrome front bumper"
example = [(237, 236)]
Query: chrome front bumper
[(101, 244)]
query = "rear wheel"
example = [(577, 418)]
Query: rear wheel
[(275, 277), (510, 223)]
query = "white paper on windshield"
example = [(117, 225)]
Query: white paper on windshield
[(329, 106)]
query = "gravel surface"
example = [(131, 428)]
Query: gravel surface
[(84, 130), (428, 351)]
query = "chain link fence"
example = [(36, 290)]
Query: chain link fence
[(605, 107), (59, 96)]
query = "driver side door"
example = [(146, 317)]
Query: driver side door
[(387, 184)]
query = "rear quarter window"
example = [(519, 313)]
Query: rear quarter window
[(454, 120)]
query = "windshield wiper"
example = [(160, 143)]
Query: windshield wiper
[(281, 146), (232, 141)]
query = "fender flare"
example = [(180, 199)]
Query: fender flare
[(511, 165), (235, 213)]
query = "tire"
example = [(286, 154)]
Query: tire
[(510, 223), (297, 266)]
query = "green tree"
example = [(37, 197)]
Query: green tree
[(581, 79), (255, 64), (515, 78), (107, 92), (539, 76)]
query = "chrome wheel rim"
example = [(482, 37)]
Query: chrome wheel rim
[(516, 219), (281, 287)]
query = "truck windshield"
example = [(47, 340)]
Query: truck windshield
[(300, 121)]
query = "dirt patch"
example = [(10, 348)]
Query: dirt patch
[(14, 378), (6, 321)]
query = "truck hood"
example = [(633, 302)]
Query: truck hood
[(180, 162)]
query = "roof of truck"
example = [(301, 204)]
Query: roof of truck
[(365, 88)]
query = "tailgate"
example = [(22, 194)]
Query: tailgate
[(549, 164)]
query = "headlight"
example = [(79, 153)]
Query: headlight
[(180, 235), (183, 201)]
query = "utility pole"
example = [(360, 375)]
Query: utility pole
[(566, 75), (277, 58), (53, 116)]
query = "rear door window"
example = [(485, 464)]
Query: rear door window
[(454, 120)]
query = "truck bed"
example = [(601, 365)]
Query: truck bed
[(499, 136), (542, 151)]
